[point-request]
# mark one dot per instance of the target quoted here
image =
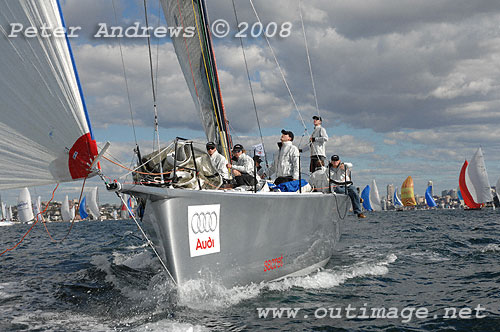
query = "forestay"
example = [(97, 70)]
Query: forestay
[(45, 133)]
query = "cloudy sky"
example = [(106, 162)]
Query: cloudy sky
[(404, 87)]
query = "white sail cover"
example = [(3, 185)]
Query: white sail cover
[(375, 197), (479, 179), (24, 210), (45, 134), (66, 213), (93, 203)]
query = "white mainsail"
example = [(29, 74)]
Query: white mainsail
[(67, 214), (93, 204), (43, 119), (478, 178), (24, 210)]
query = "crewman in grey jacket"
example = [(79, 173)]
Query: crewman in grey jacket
[(242, 167), (286, 162), (218, 161), (317, 143)]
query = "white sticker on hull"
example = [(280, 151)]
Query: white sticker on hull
[(203, 229)]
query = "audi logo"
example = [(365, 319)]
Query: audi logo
[(204, 222)]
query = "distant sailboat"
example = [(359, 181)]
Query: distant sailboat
[(37, 208), (473, 182), (24, 209), (396, 200), (407, 194), (371, 197), (124, 212), (115, 215), (429, 199), (497, 194), (82, 209), (3, 210), (67, 214), (93, 204)]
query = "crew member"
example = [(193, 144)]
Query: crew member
[(286, 162), (339, 174), (317, 143), (218, 161), (319, 178), (242, 167)]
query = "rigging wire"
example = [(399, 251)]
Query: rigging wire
[(280, 69), (308, 57), (250, 84), (152, 83), (125, 77)]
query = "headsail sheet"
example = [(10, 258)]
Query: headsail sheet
[(407, 193), (197, 61), (45, 133)]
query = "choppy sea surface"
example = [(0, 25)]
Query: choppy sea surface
[(394, 271)]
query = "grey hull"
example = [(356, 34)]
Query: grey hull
[(254, 236)]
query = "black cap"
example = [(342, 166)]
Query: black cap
[(335, 157), (287, 132), (210, 145), (317, 117), (237, 147), (257, 159)]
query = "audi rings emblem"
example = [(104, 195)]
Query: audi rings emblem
[(204, 222)]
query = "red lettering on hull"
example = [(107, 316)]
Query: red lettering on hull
[(274, 263)]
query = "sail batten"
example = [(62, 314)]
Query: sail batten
[(43, 119)]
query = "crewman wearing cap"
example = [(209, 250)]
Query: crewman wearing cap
[(339, 173), (317, 143), (286, 162), (242, 167), (218, 161)]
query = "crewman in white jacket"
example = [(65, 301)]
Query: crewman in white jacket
[(317, 143), (218, 161), (243, 167), (286, 162)]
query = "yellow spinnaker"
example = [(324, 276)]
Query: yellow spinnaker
[(407, 195)]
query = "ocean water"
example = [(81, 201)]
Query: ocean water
[(429, 270)]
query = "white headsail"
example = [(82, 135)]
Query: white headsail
[(24, 210), (46, 134)]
